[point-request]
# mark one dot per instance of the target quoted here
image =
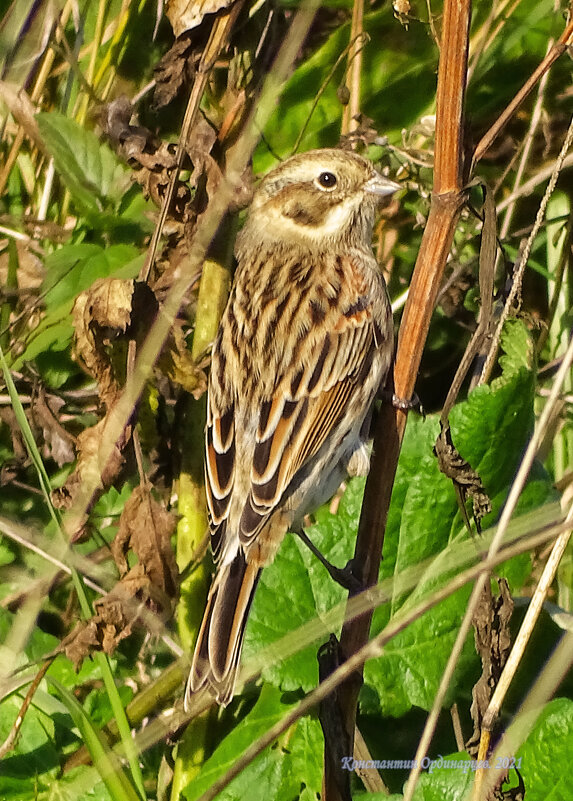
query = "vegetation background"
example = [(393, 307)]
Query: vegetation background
[(105, 351)]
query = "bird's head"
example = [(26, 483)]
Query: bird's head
[(317, 199)]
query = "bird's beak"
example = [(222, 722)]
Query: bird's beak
[(378, 185)]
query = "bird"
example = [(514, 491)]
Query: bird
[(304, 344)]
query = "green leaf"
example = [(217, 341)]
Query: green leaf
[(424, 517), (104, 759), (36, 740), (446, 783), (546, 754), (7, 555), (281, 771), (91, 172), (81, 783), (517, 346), (70, 270), (73, 269), (287, 580)]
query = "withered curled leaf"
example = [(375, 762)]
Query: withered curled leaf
[(146, 528), (145, 591), (101, 315), (467, 482), (184, 15)]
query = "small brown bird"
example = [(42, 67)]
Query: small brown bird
[(304, 344)]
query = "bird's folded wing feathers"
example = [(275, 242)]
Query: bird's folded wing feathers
[(293, 424)]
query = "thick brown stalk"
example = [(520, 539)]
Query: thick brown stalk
[(447, 201)]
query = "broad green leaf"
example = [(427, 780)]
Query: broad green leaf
[(55, 787), (73, 269), (286, 590), (70, 270), (546, 754), (281, 771), (517, 347), (446, 783), (90, 170)]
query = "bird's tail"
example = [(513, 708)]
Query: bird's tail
[(218, 648)]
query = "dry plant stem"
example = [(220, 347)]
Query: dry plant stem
[(509, 508), (369, 777), (352, 109), (432, 720), (432, 25), (529, 138), (529, 186), (132, 348), (515, 292), (543, 689), (370, 650), (533, 611), (557, 285), (34, 97), (9, 530), (355, 46), (457, 724), (447, 201), (220, 32), (487, 140), (10, 742)]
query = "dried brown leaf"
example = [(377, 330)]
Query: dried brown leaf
[(22, 109), (80, 643), (493, 644), (176, 363), (184, 15), (61, 445), (466, 480), (146, 528), (100, 315), (116, 616), (91, 471), (175, 70), (152, 159)]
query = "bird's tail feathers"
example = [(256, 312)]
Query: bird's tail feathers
[(218, 648)]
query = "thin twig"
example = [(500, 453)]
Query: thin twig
[(527, 626), (529, 186), (527, 146), (10, 530), (519, 269), (355, 46), (10, 741), (558, 49)]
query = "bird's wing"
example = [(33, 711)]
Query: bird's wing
[(301, 416), (309, 398)]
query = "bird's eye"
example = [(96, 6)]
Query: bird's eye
[(327, 180)]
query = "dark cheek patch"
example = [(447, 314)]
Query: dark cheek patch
[(303, 215)]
